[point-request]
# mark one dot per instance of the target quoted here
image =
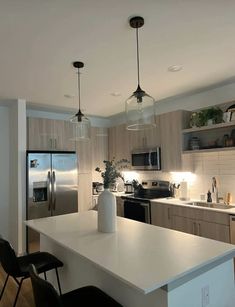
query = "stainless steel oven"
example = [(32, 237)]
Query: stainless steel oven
[(138, 206), (138, 210)]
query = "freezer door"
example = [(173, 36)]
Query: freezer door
[(38, 190), (64, 183)]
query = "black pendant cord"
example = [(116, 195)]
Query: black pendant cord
[(79, 90), (138, 57)]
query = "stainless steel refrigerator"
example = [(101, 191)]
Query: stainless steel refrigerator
[(51, 188)]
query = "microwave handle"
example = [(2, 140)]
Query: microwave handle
[(150, 164)]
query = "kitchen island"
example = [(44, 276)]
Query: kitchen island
[(140, 265)]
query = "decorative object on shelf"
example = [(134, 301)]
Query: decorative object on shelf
[(231, 109), (194, 143), (227, 117), (82, 125), (107, 208), (139, 106)]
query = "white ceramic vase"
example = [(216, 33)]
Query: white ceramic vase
[(107, 221)]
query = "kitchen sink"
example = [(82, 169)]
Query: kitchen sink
[(210, 205)]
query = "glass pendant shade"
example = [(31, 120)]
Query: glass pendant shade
[(81, 128), (81, 125), (140, 111)]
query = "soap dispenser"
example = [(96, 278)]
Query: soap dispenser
[(209, 199)]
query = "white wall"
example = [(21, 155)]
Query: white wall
[(4, 171)]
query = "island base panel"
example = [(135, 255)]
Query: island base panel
[(78, 272)]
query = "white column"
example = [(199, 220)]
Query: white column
[(17, 174)]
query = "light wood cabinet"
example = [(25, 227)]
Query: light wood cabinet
[(161, 215), (49, 134), (118, 143), (122, 142), (120, 206), (99, 150), (200, 222), (171, 125)]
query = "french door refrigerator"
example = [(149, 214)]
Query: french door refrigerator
[(51, 188)]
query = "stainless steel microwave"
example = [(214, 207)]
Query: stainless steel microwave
[(146, 159)]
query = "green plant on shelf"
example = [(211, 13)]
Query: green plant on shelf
[(202, 117)]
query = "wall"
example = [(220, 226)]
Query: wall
[(4, 171)]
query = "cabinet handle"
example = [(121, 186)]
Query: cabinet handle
[(199, 229), (194, 228), (51, 145), (168, 213), (55, 143)]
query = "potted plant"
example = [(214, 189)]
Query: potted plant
[(107, 200), (112, 171), (212, 116)]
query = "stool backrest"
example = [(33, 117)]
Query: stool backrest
[(44, 293), (8, 258)]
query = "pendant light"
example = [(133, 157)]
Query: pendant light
[(139, 106), (81, 127)]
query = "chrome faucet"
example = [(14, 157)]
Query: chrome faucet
[(215, 190)]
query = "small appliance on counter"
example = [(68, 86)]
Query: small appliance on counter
[(129, 189), (97, 188)]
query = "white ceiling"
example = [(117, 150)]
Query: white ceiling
[(40, 39)]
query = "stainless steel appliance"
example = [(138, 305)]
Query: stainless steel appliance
[(138, 206), (51, 187), (129, 189), (232, 229), (146, 159)]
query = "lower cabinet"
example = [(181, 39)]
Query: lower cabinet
[(120, 206), (161, 215), (200, 222)]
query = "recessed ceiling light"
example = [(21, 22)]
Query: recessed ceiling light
[(175, 68), (69, 96), (115, 94)]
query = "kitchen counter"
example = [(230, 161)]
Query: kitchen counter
[(140, 264), (178, 202)]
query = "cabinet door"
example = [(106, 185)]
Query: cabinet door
[(120, 206), (99, 148), (40, 134), (119, 143), (171, 125), (184, 224), (161, 215), (214, 231), (63, 132)]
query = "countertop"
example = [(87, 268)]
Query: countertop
[(178, 202), (144, 256)]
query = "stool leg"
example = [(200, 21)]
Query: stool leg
[(58, 280), (18, 291), (5, 283), (45, 276)]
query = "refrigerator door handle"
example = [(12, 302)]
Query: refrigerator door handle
[(49, 190), (53, 190)]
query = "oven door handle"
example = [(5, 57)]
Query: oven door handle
[(150, 164)]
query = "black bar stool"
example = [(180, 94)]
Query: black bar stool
[(45, 295), (18, 267)]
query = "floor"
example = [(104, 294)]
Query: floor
[(25, 298)]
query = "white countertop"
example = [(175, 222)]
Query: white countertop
[(178, 202), (143, 256)]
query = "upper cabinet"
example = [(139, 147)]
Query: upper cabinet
[(49, 134), (171, 125), (122, 141)]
